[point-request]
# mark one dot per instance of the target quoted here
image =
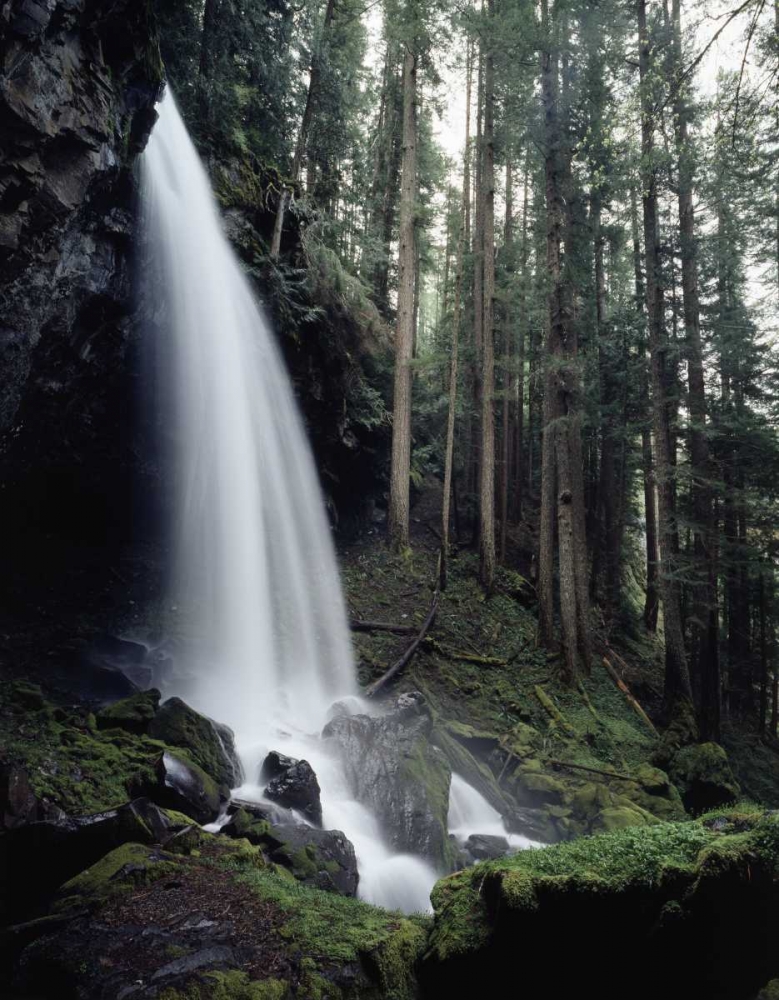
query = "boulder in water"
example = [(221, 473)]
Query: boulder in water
[(208, 744), (275, 764), (297, 787), (393, 768)]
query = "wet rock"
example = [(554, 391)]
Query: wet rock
[(393, 768), (133, 714), (275, 764), (535, 824), (210, 746), (182, 785), (297, 787), (483, 846)]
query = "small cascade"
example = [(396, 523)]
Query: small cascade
[(470, 814)]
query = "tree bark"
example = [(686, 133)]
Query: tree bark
[(312, 96), (505, 457), (398, 519), (487, 558), (458, 287), (705, 615), (677, 689)]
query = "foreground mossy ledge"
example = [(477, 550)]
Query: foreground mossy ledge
[(679, 910)]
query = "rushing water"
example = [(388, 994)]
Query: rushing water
[(471, 813), (268, 648), (257, 581)]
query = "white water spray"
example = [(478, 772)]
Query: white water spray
[(268, 647)]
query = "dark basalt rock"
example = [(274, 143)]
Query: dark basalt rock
[(324, 859), (275, 764), (184, 786), (297, 787), (40, 854), (78, 84), (393, 768)]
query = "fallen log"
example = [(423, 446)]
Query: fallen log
[(396, 667), (461, 654), (358, 625), (553, 711), (632, 701), (594, 770)]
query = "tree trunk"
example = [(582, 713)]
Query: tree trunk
[(458, 287), (705, 615), (398, 519), (312, 96), (505, 458), (562, 485), (487, 464), (651, 600), (678, 692)]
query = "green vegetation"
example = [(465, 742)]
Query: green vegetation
[(678, 857), (327, 927)]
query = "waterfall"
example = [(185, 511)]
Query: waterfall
[(470, 813), (267, 647), (257, 572)]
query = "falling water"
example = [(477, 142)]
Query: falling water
[(471, 813), (257, 580)]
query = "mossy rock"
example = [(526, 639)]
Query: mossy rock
[(535, 788), (133, 714), (178, 725), (770, 991), (617, 818), (663, 888), (703, 775), (181, 785), (121, 870)]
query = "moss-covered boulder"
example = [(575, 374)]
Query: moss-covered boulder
[(644, 900), (222, 926), (209, 745), (703, 775), (180, 784), (133, 714)]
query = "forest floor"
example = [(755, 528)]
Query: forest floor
[(481, 666)]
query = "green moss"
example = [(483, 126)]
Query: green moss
[(704, 776), (426, 766), (178, 725), (230, 985), (770, 991), (133, 714), (327, 927), (649, 857), (119, 871)]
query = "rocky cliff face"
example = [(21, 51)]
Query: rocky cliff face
[(78, 82)]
